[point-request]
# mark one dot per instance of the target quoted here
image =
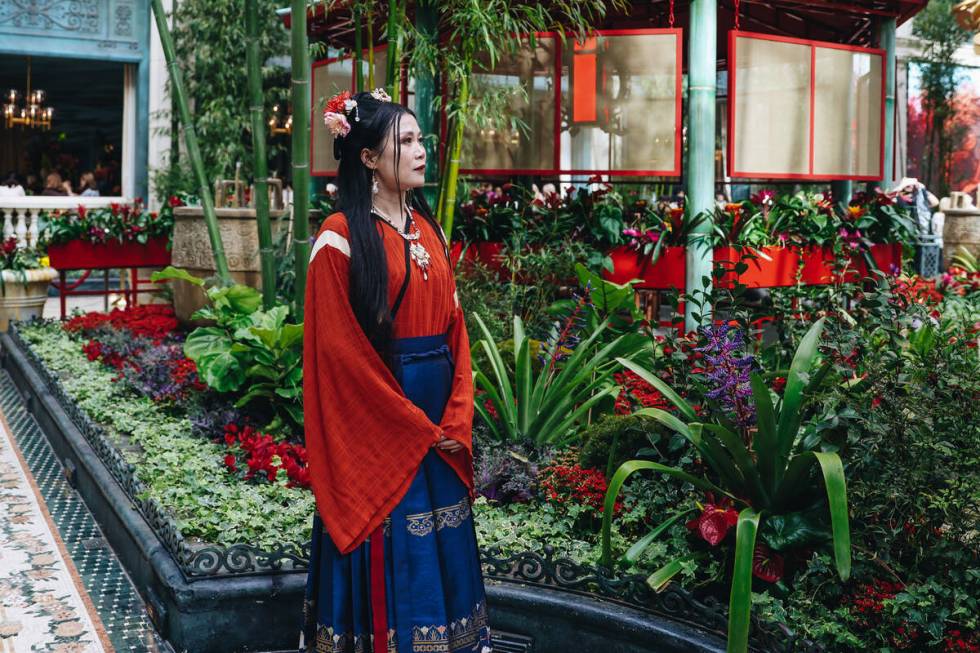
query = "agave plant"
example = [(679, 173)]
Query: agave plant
[(547, 407), (766, 475)]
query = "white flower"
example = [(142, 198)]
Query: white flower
[(336, 123)]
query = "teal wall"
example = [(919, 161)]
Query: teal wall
[(109, 30)]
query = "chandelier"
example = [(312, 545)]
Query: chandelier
[(31, 113), (277, 125)]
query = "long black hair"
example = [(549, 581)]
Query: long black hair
[(376, 122)]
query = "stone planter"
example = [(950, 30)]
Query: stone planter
[(24, 294), (961, 228), (192, 251)]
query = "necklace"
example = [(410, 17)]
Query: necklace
[(416, 251)]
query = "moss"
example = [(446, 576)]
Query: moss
[(614, 439)]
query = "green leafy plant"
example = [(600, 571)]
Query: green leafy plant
[(119, 222), (546, 408), (252, 353), (769, 473)]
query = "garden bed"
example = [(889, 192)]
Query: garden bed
[(207, 591)]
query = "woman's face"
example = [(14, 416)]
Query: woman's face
[(411, 164)]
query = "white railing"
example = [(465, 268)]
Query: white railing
[(20, 214)]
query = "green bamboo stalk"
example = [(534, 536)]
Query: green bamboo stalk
[(267, 255), (447, 201), (190, 139), (393, 78), (426, 20), (356, 14), (301, 150), (370, 47)]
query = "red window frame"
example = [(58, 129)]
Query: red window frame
[(314, 114), (556, 169), (811, 176)]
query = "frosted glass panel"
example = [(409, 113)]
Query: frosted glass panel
[(772, 108), (619, 103), (512, 120), (847, 113), (328, 80)]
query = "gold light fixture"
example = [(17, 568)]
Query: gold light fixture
[(32, 113), (277, 125)]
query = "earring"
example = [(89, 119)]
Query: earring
[(374, 183)]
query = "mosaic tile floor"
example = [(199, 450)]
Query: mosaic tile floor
[(116, 601)]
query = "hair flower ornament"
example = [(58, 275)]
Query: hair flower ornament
[(380, 95), (335, 113)]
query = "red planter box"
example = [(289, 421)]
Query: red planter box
[(769, 267), (80, 255), (486, 253), (785, 266), (668, 272)]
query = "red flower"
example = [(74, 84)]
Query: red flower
[(715, 521), (767, 564), (779, 384), (336, 103), (230, 461), (82, 210), (175, 201)]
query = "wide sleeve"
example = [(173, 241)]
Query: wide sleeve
[(364, 437), (457, 419)]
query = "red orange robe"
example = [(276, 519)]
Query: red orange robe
[(364, 438)]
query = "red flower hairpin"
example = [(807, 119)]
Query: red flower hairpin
[(335, 113)]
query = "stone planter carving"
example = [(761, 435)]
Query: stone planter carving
[(961, 228), (192, 251)]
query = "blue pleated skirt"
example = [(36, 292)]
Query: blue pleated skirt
[(432, 583)]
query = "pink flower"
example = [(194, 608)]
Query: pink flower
[(336, 123)]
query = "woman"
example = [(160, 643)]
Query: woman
[(87, 186), (54, 186), (388, 408)]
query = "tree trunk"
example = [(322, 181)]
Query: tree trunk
[(190, 140), (267, 257)]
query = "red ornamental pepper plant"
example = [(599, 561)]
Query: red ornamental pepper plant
[(759, 464)]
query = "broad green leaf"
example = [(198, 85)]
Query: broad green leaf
[(790, 411), (243, 299), (764, 443), (743, 462), (740, 601), (833, 477), (223, 372), (207, 341), (170, 272), (659, 579)]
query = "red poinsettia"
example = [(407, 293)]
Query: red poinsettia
[(264, 457)]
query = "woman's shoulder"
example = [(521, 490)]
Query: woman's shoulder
[(336, 222)]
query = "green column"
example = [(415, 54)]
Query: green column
[(702, 75), (426, 21), (841, 189), (886, 40)]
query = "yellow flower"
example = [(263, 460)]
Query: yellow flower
[(45, 262)]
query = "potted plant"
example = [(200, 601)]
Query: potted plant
[(117, 236), (24, 279)]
